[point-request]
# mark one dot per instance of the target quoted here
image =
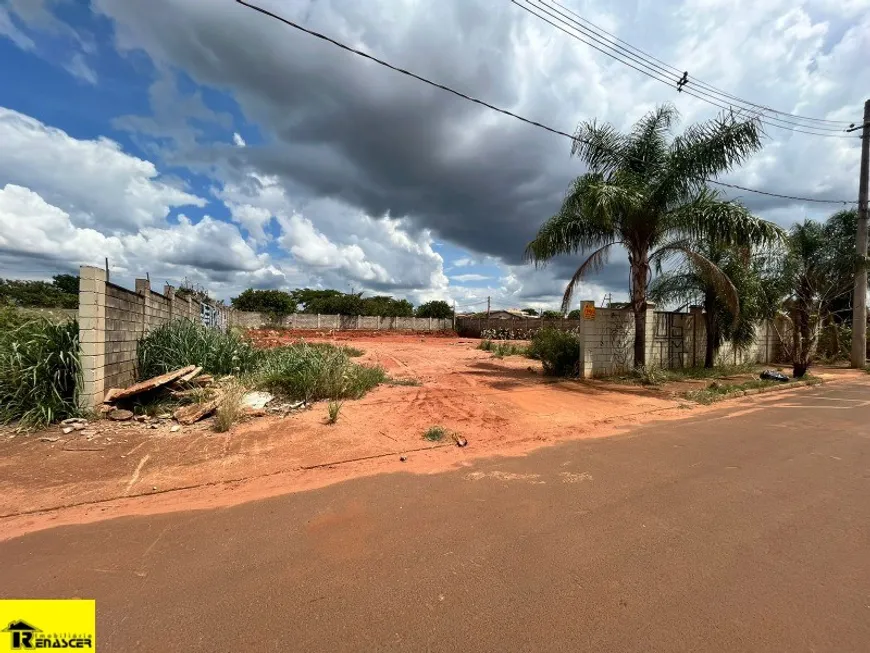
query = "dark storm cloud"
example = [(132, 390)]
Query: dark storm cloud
[(340, 127), (344, 128)]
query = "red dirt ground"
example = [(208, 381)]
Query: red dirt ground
[(502, 406)]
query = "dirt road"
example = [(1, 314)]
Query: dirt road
[(735, 530), (499, 405)]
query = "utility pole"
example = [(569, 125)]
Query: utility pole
[(859, 301), (454, 315), (487, 307)]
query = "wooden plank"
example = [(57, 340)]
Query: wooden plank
[(189, 376), (189, 414), (151, 384)]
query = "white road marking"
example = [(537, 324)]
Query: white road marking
[(135, 476)]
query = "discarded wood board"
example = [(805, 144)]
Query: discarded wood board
[(189, 376), (151, 384), (187, 415)]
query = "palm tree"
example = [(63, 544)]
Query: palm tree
[(813, 279), (730, 317), (647, 192)]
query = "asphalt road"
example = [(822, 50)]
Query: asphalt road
[(732, 531)]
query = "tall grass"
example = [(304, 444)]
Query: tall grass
[(500, 349), (39, 370), (303, 371), (229, 408), (184, 342), (308, 371)]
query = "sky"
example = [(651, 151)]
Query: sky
[(201, 140)]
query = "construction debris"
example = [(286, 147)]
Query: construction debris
[(120, 415), (145, 386), (187, 415), (189, 376), (256, 400), (247, 411), (74, 420)]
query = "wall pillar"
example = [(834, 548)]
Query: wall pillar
[(169, 293), (651, 335), (143, 288), (92, 335), (699, 334), (588, 343)]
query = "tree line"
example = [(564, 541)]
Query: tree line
[(62, 292), (646, 192), (334, 302)]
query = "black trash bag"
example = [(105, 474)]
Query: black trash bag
[(773, 375)]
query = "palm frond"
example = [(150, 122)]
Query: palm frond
[(708, 149), (585, 220), (725, 289), (707, 217), (600, 146), (595, 261), (647, 147), (676, 286)]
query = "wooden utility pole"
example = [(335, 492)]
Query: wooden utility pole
[(859, 300), (487, 308)]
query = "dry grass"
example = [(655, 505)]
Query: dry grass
[(229, 408), (333, 410)]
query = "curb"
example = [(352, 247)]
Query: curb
[(780, 388)]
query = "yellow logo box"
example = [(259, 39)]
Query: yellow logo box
[(30, 625)]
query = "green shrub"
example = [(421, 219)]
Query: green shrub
[(649, 374), (184, 342), (558, 351), (485, 344), (435, 433), (39, 370), (313, 372)]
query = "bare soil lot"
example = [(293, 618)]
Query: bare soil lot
[(501, 406)]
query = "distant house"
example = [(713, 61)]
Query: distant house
[(511, 314)]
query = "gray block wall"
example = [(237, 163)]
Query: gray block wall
[(112, 319)]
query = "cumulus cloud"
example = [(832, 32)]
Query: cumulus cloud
[(37, 234), (94, 181), (465, 278)]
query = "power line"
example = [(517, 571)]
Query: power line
[(695, 81), (662, 76), (475, 100)]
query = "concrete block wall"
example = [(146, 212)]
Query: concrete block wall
[(125, 324), (673, 340), (92, 335), (112, 319), (253, 320), (607, 342)]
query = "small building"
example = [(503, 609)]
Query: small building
[(510, 314)]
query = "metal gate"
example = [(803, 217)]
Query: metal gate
[(669, 343)]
